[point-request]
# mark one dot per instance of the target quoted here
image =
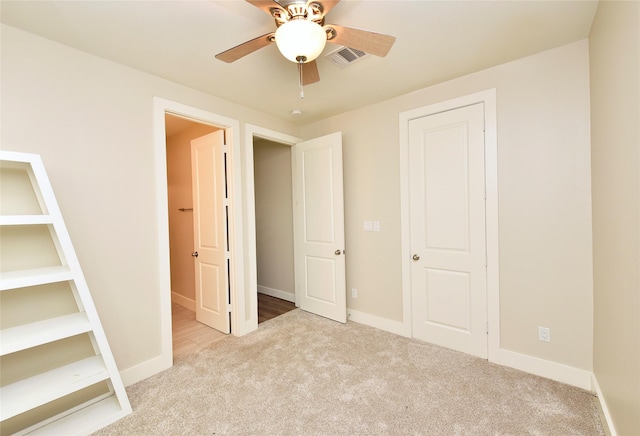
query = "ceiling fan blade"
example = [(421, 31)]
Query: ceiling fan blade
[(327, 5), (310, 73), (374, 43), (267, 5), (239, 51)]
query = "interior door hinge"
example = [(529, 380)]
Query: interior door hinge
[(486, 327), (229, 308)]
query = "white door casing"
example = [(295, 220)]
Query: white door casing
[(319, 244), (240, 324), (210, 231), (447, 226)]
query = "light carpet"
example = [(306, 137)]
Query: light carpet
[(300, 374)]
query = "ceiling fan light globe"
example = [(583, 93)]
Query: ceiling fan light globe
[(301, 40)]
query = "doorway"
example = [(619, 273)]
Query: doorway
[(274, 227), (242, 320), (318, 222), (252, 134), (187, 334)]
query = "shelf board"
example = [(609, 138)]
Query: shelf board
[(35, 391), (84, 420), (42, 332), (21, 220), (34, 277), (17, 159)]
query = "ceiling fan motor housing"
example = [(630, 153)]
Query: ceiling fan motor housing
[(297, 10)]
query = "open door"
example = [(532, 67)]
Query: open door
[(210, 231), (319, 247)]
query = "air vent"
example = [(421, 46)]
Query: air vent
[(345, 56)]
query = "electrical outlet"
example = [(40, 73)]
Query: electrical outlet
[(376, 226), (544, 334), (354, 293)]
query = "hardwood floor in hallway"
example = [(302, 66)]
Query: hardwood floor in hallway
[(189, 335), (270, 307)]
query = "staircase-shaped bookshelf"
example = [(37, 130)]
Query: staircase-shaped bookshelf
[(58, 375)]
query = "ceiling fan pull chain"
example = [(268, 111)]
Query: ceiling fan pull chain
[(300, 79)]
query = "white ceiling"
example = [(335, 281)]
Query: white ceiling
[(177, 40)]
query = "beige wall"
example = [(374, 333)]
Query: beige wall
[(615, 121), (91, 120), (181, 223), (102, 170), (274, 218), (544, 200)]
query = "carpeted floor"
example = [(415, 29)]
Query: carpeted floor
[(300, 374)]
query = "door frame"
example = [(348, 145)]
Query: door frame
[(488, 98), (234, 180), (250, 132)]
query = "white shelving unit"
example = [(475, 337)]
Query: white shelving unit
[(48, 386)]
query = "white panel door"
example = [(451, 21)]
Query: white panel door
[(447, 212), (319, 227), (210, 231)]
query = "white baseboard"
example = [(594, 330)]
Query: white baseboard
[(385, 324), (283, 295), (545, 368), (532, 365), (183, 301), (603, 405), (145, 370), (157, 364)]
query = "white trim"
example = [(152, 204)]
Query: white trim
[(492, 221), (388, 325), (603, 405), (251, 131), (141, 371), (488, 98), (183, 301), (232, 130), (405, 223), (277, 293), (545, 368)]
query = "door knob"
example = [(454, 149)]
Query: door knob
[(416, 257), (338, 252), (194, 254)]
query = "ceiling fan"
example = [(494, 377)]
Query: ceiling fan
[(301, 35)]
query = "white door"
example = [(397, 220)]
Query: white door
[(210, 231), (319, 249), (447, 213)]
